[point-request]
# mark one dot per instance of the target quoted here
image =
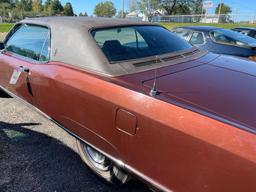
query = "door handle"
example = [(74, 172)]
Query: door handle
[(24, 69)]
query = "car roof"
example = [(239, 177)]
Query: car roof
[(72, 43), (199, 28), (249, 28), (86, 22)]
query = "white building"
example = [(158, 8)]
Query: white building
[(210, 19)]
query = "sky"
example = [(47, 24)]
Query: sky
[(88, 5), (238, 6)]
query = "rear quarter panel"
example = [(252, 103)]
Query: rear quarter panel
[(175, 149)]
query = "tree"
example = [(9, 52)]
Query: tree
[(133, 5), (56, 7), (148, 7), (169, 6), (23, 8), (5, 9), (121, 15), (68, 9), (224, 10), (83, 14), (105, 9), (24, 5), (197, 7), (182, 9), (48, 8), (37, 6), (176, 7)]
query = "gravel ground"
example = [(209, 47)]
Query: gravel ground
[(36, 155), (2, 35)]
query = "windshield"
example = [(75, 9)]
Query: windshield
[(134, 42), (230, 36)]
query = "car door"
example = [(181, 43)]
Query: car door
[(25, 48)]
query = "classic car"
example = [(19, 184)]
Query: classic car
[(249, 31), (140, 101), (218, 40)]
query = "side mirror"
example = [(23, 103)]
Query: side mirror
[(1, 45)]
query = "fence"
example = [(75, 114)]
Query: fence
[(209, 18)]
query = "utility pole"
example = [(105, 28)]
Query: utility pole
[(220, 6), (122, 8)]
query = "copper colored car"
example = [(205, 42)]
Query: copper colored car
[(141, 102)]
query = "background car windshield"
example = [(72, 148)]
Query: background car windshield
[(126, 43), (229, 36)]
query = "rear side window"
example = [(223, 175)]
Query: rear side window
[(134, 42), (30, 41), (221, 38), (197, 38), (183, 34)]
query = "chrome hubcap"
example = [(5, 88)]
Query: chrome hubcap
[(96, 158)]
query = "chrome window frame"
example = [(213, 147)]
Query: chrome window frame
[(18, 56)]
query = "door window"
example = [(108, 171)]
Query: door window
[(197, 38), (30, 41), (221, 38)]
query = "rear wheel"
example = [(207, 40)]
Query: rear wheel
[(101, 165)]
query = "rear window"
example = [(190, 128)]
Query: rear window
[(126, 43)]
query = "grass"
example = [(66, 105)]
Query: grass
[(226, 25), (5, 27)]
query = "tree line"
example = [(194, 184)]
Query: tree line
[(175, 7), (13, 10), (170, 7)]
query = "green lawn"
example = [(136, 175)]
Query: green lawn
[(5, 27), (227, 26)]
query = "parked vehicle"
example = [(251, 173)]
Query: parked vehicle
[(249, 31), (139, 100), (220, 41)]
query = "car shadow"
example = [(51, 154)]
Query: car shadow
[(4, 95), (32, 161)]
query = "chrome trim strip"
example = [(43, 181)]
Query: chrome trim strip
[(117, 161), (212, 116)]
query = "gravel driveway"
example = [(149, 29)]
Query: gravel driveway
[(2, 35), (36, 155)]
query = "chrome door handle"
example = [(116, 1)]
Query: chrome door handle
[(24, 69)]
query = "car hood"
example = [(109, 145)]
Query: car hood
[(221, 86)]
